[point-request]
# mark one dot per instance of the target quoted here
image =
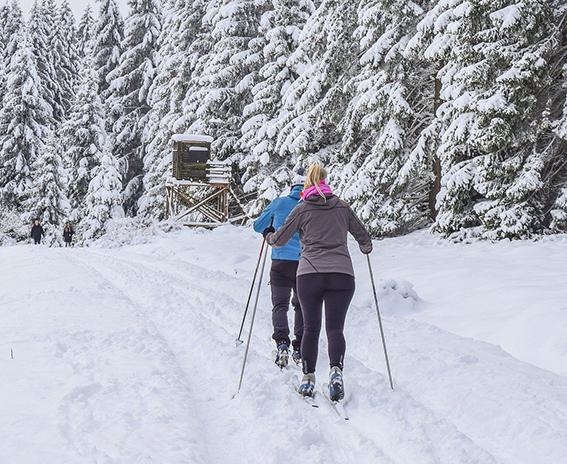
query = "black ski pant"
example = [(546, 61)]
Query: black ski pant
[(336, 291), (283, 285)]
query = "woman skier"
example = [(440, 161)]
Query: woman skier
[(325, 273), (283, 274)]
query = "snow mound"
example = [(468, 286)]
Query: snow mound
[(397, 297), (132, 231)]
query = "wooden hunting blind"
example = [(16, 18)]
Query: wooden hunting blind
[(200, 191), (191, 154)]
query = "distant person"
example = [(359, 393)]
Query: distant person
[(283, 274), (37, 232), (325, 273), (68, 233)]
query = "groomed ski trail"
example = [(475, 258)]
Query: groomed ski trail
[(143, 367), (195, 302)]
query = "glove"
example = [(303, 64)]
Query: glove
[(268, 230), (367, 249)]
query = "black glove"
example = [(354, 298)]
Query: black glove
[(268, 230)]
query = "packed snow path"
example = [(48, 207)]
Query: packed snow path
[(127, 355)]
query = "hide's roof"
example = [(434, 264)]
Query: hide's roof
[(192, 138)]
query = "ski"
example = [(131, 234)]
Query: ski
[(338, 406)]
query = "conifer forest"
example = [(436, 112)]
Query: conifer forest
[(442, 114)]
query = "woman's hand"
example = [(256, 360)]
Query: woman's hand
[(268, 230)]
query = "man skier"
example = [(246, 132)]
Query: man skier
[(37, 232), (283, 273)]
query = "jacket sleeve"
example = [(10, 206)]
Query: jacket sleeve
[(285, 232), (359, 232), (265, 220)]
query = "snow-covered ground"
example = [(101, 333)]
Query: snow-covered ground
[(127, 355)]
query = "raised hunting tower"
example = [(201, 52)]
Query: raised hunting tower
[(200, 191)]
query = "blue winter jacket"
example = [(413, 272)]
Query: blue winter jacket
[(278, 211)]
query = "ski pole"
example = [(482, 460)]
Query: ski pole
[(380, 322), (252, 321), (238, 341)]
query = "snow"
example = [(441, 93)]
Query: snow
[(187, 138), (128, 355)]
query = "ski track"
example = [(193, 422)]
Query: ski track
[(155, 383), (451, 443)]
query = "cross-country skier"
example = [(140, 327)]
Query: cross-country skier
[(37, 232), (325, 273), (283, 273)]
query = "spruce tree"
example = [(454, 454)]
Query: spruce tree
[(104, 199), (64, 59), (4, 15), (314, 103), (47, 200), (24, 124), (129, 103), (265, 171), (107, 43), (85, 33), (83, 136), (42, 20), (12, 23), (223, 88), (381, 120), (200, 52), (490, 57)]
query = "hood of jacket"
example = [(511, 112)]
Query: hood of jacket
[(329, 202), (296, 192)]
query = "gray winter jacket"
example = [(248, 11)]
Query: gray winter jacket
[(323, 224)]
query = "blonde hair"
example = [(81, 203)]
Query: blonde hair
[(315, 174)]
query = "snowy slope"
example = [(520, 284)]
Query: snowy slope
[(127, 355)]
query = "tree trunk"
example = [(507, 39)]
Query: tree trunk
[(436, 184)]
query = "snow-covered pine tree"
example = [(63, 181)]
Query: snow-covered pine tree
[(64, 59), (24, 124), (200, 52), (83, 136), (382, 119), (12, 23), (40, 26), (85, 32), (182, 24), (47, 200), (107, 43), (225, 93), (316, 101), (130, 83), (4, 15), (491, 69), (104, 198), (556, 113), (510, 169), (265, 171)]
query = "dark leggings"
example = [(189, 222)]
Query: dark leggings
[(336, 291)]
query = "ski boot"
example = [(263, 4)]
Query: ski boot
[(282, 355), (296, 356), (307, 386), (336, 387)]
